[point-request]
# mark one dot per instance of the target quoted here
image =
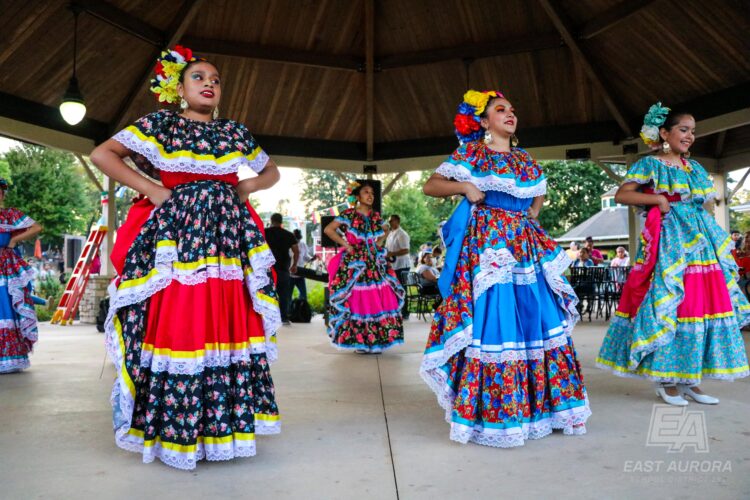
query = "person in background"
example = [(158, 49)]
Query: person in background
[(426, 270), (736, 239), (298, 282), (595, 254), (437, 257), (584, 259), (622, 259), (397, 245), (281, 242), (573, 250)]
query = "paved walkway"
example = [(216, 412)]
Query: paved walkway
[(358, 427)]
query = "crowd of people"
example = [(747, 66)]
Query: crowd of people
[(203, 287), (589, 256)]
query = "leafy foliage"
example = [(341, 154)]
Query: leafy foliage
[(573, 194), (47, 186), (323, 189)]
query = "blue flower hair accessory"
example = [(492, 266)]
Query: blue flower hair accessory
[(655, 118), (351, 198), (466, 123), (3, 184)]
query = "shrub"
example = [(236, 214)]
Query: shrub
[(316, 296)]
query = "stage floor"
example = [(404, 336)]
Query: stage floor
[(364, 427)]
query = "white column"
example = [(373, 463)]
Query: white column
[(721, 209), (110, 218), (633, 228)]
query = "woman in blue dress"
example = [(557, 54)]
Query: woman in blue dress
[(499, 356), (18, 330)]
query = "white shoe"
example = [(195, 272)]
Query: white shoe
[(705, 399), (677, 400)]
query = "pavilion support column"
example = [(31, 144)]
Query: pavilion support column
[(110, 220), (633, 228), (721, 208)]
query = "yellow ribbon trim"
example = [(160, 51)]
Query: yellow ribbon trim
[(710, 371)]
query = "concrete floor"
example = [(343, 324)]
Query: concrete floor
[(362, 427)]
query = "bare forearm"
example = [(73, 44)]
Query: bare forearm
[(32, 231), (335, 236), (537, 203), (111, 165), (636, 198), (440, 187)]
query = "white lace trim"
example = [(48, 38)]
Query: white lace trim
[(495, 267), (519, 353), (191, 366), (7, 324), (26, 320), (14, 365), (491, 182), (571, 421), (188, 165)]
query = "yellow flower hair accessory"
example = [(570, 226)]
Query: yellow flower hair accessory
[(168, 69), (479, 100)]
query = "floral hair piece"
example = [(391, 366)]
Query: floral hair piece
[(350, 197), (3, 184), (467, 121), (655, 118), (169, 67)]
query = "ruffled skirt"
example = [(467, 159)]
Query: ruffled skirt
[(688, 324), (500, 357), (365, 301), (18, 330), (191, 331)]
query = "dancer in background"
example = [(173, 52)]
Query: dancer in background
[(365, 294), (18, 330), (193, 314), (681, 310), (499, 356)]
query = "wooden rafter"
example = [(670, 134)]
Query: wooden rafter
[(610, 173), (611, 17), (122, 20), (180, 24), (472, 51), (563, 27), (89, 172), (370, 77), (387, 189)]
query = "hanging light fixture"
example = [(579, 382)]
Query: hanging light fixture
[(72, 107)]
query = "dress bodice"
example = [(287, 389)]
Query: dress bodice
[(178, 150), (361, 228), (687, 183)]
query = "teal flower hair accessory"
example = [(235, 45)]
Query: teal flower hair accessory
[(655, 118)]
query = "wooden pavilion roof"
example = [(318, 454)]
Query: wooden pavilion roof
[(369, 81)]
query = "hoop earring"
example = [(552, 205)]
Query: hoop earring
[(514, 141), (183, 104), (487, 137), (686, 155), (666, 148), (215, 114)]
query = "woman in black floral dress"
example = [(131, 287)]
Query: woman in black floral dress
[(193, 314)]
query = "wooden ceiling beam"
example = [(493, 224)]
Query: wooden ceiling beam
[(181, 21), (472, 51), (611, 17), (275, 54), (122, 20), (563, 27), (370, 78)]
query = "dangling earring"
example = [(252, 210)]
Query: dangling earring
[(215, 114), (686, 155), (487, 137), (183, 104), (666, 148), (513, 140)]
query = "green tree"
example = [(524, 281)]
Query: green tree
[(574, 190), (48, 187), (323, 189)]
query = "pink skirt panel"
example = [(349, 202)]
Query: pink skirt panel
[(373, 301), (706, 293)]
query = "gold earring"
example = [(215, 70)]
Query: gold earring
[(487, 137), (514, 140), (666, 148), (183, 104), (215, 114)]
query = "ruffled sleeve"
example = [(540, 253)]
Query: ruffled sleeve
[(515, 173), (666, 179), (12, 219), (166, 141), (345, 218)]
